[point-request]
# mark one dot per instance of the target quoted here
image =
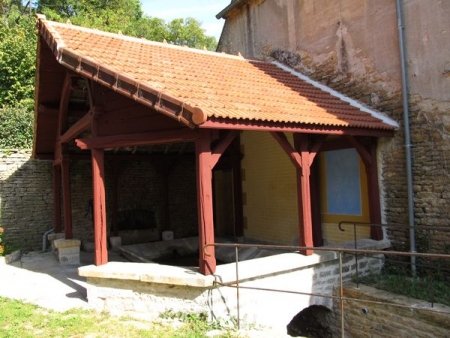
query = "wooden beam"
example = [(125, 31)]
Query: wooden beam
[(207, 260), (376, 232), (64, 103), (150, 138), (237, 188), (99, 207), (301, 143), (67, 199), (57, 198), (77, 128), (233, 124), (294, 156), (222, 146)]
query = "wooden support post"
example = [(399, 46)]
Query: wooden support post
[(57, 198), (207, 259), (237, 188), (67, 201), (301, 144), (115, 196), (99, 206)]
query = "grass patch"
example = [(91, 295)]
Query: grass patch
[(18, 319), (424, 288)]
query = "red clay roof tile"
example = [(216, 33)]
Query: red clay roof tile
[(223, 86)]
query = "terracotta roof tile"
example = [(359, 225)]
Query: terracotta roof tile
[(222, 86)]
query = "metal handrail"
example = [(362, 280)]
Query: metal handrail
[(340, 251)]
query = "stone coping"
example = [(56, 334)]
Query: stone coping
[(226, 273)]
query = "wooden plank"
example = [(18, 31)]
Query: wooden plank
[(99, 207), (157, 137), (57, 198), (137, 119), (207, 260), (67, 200)]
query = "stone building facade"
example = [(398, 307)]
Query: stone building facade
[(352, 46)]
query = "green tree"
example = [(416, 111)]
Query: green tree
[(18, 48), (189, 32), (17, 62)]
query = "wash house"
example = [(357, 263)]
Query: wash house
[(151, 135)]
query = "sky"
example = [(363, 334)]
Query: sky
[(203, 10)]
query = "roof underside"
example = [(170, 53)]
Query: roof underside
[(192, 86)]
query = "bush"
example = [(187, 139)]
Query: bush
[(16, 128)]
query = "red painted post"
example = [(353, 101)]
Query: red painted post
[(67, 200), (99, 206), (207, 260), (304, 194), (57, 198)]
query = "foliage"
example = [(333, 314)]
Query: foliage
[(431, 287), (17, 60), (18, 319), (18, 48), (16, 127)]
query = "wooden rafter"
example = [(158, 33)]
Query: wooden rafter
[(294, 156), (149, 138), (222, 146), (77, 128)]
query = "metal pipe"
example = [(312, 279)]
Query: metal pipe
[(44, 239), (412, 230)]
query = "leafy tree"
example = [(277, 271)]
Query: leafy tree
[(17, 62), (190, 33)]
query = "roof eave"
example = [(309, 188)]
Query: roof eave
[(141, 92), (258, 125)]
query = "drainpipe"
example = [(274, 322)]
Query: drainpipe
[(44, 239), (401, 42)]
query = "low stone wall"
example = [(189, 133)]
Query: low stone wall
[(26, 199), (272, 290), (379, 313)]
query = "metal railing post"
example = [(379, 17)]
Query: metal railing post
[(237, 291)]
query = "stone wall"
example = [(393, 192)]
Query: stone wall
[(352, 47), (378, 313), (272, 291), (26, 199), (26, 209)]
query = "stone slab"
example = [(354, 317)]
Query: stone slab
[(67, 243)]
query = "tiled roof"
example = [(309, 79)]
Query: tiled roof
[(206, 84)]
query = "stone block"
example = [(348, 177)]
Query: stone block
[(68, 251), (54, 236)]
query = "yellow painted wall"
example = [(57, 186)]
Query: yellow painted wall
[(270, 195), (269, 187)]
